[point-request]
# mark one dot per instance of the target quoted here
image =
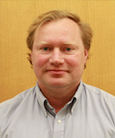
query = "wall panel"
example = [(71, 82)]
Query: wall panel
[(16, 74)]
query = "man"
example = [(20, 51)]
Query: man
[(60, 105)]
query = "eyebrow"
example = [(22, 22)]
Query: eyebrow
[(69, 43), (46, 43), (43, 42)]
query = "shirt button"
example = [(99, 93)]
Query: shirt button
[(59, 121)]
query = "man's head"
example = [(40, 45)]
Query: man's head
[(59, 44), (85, 30)]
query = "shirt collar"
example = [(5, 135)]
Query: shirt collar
[(42, 100), (76, 97)]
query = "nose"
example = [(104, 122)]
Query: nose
[(56, 57)]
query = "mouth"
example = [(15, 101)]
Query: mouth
[(57, 71)]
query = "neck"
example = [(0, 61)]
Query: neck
[(58, 102), (58, 97)]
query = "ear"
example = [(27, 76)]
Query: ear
[(30, 58), (85, 55)]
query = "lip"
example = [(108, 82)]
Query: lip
[(57, 71)]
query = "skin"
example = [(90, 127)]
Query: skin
[(58, 58)]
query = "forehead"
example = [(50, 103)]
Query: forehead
[(61, 30), (64, 23)]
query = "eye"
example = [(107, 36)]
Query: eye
[(68, 49), (46, 48)]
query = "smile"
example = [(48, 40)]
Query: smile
[(55, 71)]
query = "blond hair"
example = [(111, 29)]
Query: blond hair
[(86, 31)]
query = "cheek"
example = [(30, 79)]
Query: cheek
[(39, 61), (42, 61), (76, 61), (73, 61)]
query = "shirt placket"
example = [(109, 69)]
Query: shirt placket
[(59, 126)]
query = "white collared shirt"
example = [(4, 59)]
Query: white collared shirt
[(90, 114)]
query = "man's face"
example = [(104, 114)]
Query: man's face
[(58, 55)]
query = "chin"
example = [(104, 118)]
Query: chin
[(58, 84)]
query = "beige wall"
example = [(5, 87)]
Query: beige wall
[(16, 74)]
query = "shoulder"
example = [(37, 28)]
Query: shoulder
[(99, 92), (100, 97), (8, 107), (17, 98), (100, 102)]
